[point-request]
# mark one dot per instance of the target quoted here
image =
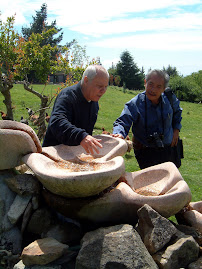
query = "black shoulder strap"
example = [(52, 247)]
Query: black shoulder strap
[(169, 93)]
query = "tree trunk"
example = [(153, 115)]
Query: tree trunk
[(5, 87), (41, 121), (42, 111)]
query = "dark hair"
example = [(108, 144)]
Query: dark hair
[(159, 72)]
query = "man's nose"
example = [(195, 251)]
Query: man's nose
[(153, 88), (103, 89)]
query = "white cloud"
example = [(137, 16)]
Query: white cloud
[(91, 12), (190, 40), (182, 21), (156, 27), (80, 12), (20, 8)]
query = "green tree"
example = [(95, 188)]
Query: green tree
[(33, 56), (188, 88), (115, 79), (36, 57), (8, 58), (77, 55), (19, 57), (171, 71), (40, 25), (127, 69), (113, 70)]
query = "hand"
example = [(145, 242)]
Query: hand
[(91, 144), (118, 135), (175, 137)]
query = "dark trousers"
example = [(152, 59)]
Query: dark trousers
[(149, 156)]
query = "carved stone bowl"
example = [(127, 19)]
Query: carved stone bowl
[(160, 186), (16, 140), (93, 188), (63, 170), (75, 177), (192, 215), (70, 172)]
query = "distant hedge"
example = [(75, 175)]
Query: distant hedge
[(188, 88)]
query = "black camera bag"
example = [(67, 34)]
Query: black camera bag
[(178, 150)]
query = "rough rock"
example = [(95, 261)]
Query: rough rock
[(18, 207), (35, 202), (117, 246), (26, 216), (43, 251), (196, 265), (194, 218), (188, 230), (180, 254), (155, 230), (113, 247), (12, 240), (23, 168), (66, 233), (7, 197), (20, 265), (41, 220), (24, 184)]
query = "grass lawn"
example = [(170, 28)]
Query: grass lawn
[(111, 105)]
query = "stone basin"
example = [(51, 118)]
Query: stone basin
[(16, 140), (70, 172), (63, 170), (73, 178), (192, 215), (112, 147), (93, 188), (160, 186)]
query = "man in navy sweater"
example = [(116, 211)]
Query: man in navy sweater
[(75, 111)]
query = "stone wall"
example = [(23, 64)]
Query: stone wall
[(32, 235)]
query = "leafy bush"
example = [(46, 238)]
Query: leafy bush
[(188, 88)]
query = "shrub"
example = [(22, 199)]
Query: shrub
[(188, 88)]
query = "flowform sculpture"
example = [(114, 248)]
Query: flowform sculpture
[(93, 188), (61, 169)]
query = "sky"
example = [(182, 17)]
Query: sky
[(157, 33)]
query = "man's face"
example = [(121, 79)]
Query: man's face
[(96, 87), (154, 87)]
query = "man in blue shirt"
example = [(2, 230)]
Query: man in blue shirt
[(155, 123), (75, 111)]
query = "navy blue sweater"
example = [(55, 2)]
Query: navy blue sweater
[(72, 118)]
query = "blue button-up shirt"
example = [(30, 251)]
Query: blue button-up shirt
[(147, 118)]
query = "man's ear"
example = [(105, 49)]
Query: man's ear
[(85, 79), (145, 82)]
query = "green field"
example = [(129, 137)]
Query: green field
[(111, 105)]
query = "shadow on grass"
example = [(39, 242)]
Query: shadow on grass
[(128, 156)]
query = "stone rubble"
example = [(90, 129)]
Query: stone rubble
[(43, 251), (180, 254), (154, 230), (118, 246), (26, 221), (18, 208)]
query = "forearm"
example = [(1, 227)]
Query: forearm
[(65, 132), (175, 137), (122, 125)]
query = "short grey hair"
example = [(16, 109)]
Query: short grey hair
[(92, 70), (160, 73)]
